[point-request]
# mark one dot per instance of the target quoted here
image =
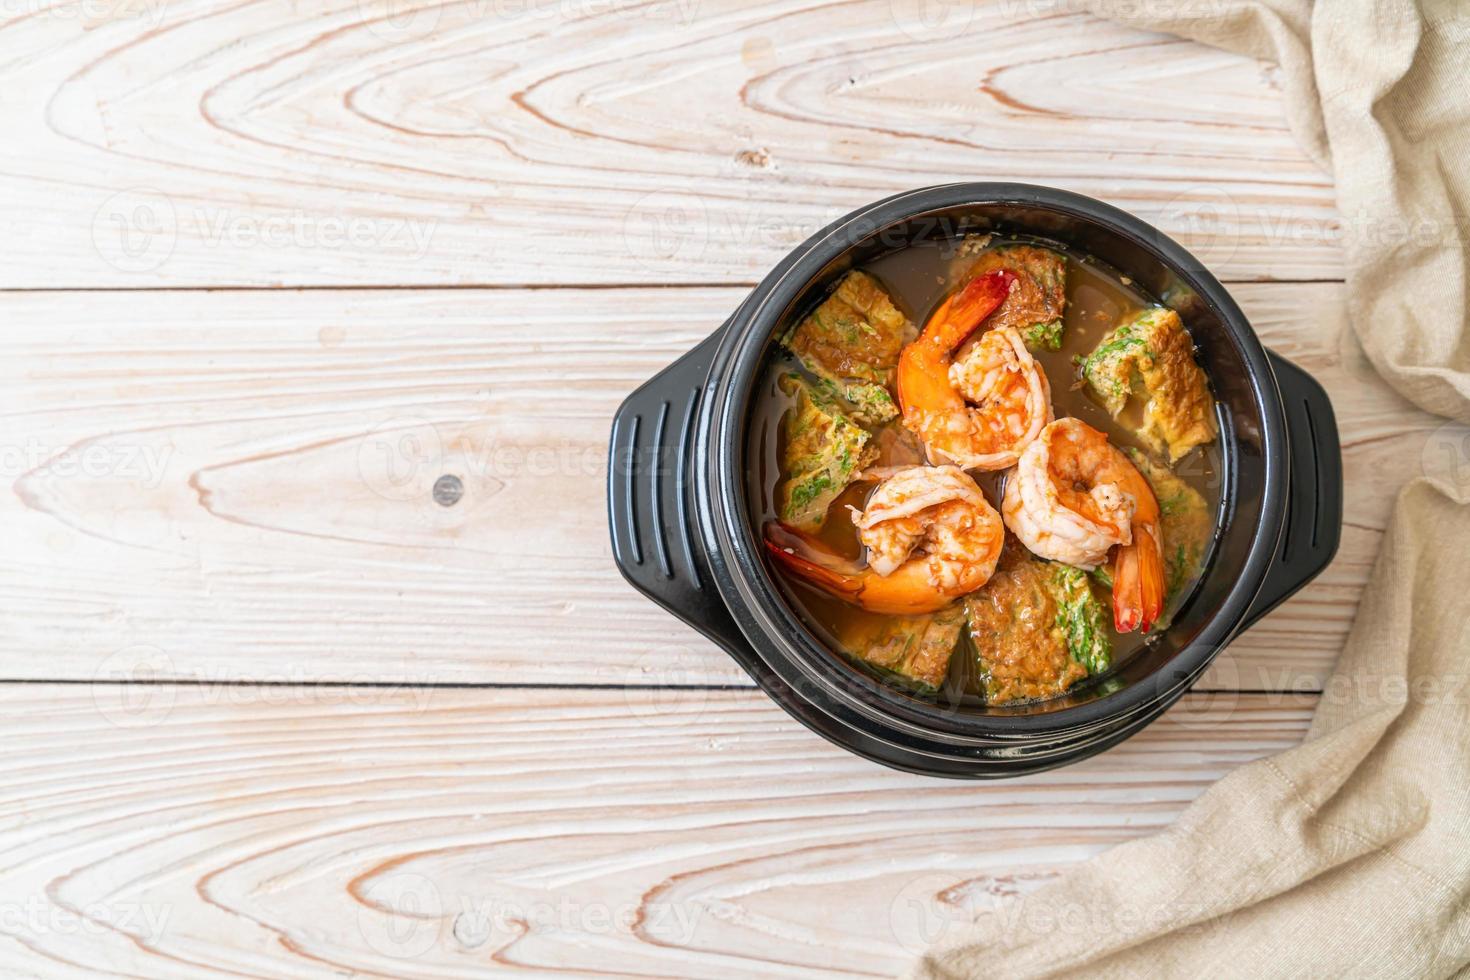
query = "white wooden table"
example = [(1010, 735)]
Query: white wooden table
[(273, 268)]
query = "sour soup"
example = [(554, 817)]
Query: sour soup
[(985, 469)]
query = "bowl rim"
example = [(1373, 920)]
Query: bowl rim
[(802, 660)]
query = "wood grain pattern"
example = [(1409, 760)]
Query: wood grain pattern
[(237, 485), (188, 832), (234, 487), (414, 142)]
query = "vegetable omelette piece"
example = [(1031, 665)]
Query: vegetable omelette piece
[(823, 451), (1034, 307), (1037, 628), (853, 340), (915, 648), (1150, 354), (1187, 525), (1081, 618)]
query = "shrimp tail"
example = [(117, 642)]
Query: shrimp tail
[(805, 557), (1138, 583), (907, 592), (962, 313)]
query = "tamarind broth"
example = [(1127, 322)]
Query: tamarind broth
[(916, 278)]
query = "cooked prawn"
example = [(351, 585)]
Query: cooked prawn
[(931, 537), (982, 411), (1074, 497)]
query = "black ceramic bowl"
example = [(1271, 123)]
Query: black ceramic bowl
[(683, 535)]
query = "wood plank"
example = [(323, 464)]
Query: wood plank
[(237, 486), (415, 142), (187, 832)]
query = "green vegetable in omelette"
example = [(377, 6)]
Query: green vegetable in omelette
[(824, 450), (1036, 629), (1150, 356), (852, 341), (1081, 617), (1044, 336)]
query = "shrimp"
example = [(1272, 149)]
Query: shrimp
[(982, 411), (1074, 497), (931, 537)]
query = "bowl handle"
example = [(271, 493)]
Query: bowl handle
[(651, 507), (650, 497), (1313, 525)]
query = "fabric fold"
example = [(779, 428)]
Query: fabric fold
[(1378, 94), (1348, 855), (1344, 856)]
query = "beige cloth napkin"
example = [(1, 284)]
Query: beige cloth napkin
[(1378, 92), (1348, 856)]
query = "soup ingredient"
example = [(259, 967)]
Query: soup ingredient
[(1034, 307), (1012, 400), (1150, 355), (1063, 501), (1054, 642), (824, 451), (999, 373), (1185, 520), (1074, 497), (1081, 618), (1036, 628), (852, 340), (931, 537), (915, 648)]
